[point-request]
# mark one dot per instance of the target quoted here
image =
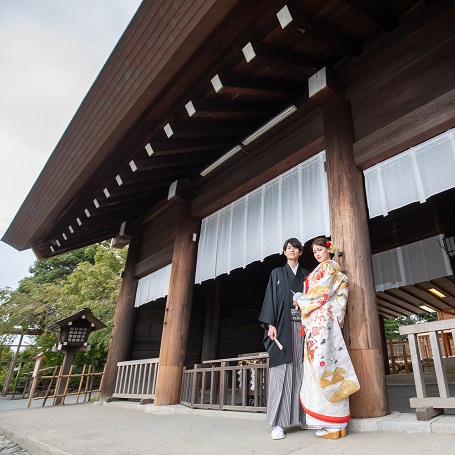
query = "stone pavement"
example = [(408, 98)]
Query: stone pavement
[(125, 427)]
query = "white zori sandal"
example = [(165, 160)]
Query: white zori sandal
[(278, 433)]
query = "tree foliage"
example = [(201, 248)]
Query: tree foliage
[(61, 286), (392, 326)]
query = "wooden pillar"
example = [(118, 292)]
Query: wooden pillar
[(211, 321), (11, 368), (124, 318), (178, 310), (350, 235), (67, 364), (385, 355)]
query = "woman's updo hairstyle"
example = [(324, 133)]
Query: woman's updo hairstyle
[(321, 241), (326, 243)]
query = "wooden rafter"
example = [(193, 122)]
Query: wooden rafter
[(224, 110), (289, 17), (201, 129), (398, 302), (157, 148), (422, 296), (267, 56), (393, 308), (253, 87), (375, 11)]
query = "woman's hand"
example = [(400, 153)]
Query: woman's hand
[(272, 332)]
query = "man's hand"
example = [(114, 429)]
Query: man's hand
[(272, 332)]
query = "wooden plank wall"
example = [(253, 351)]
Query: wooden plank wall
[(241, 294), (401, 88)]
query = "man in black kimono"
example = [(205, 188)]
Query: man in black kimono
[(281, 323)]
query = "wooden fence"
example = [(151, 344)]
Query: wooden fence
[(44, 385), (136, 379), (427, 407), (236, 384)]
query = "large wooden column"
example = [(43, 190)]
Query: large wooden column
[(125, 313), (178, 310), (349, 228)]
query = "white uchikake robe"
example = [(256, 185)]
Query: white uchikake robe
[(329, 376)]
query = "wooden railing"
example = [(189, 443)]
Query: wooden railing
[(235, 384), (428, 407), (136, 379), (398, 356)]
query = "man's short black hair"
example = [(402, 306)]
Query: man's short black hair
[(294, 242)]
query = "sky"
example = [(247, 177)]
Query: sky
[(50, 54)]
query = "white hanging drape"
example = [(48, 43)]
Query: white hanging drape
[(153, 286), (413, 175), (294, 204), (420, 261)]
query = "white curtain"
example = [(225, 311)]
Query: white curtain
[(420, 261), (413, 175), (294, 204), (153, 286)]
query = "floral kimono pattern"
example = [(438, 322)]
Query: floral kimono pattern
[(329, 374)]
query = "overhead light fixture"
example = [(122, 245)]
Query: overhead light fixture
[(221, 160), (427, 308), (437, 293), (270, 124), (248, 140)]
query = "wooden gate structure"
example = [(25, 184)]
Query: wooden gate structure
[(202, 103)]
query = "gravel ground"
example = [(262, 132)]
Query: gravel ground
[(8, 447)]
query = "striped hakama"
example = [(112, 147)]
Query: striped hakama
[(283, 402)]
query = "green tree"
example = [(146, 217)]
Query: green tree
[(392, 325), (54, 269), (61, 286)]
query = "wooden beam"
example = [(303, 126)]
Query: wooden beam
[(291, 18), (168, 148), (180, 191), (392, 308), (253, 87), (289, 147), (391, 313), (376, 12), (425, 286), (398, 302), (418, 126), (268, 56), (203, 129), (422, 296), (225, 110), (161, 170), (154, 262), (323, 87)]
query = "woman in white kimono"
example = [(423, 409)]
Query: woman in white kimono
[(329, 376)]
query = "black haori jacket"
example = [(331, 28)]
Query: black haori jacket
[(276, 310)]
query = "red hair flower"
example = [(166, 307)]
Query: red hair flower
[(328, 244)]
